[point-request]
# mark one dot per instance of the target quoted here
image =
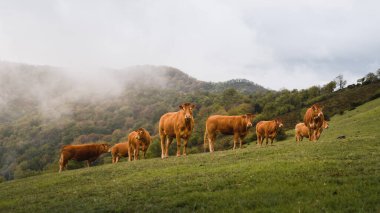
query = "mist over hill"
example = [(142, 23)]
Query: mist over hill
[(24, 88)]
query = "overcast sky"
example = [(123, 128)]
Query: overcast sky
[(284, 44)]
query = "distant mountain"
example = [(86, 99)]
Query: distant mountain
[(165, 77)]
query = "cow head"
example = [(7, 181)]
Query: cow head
[(317, 111), (247, 118), (187, 108), (140, 133), (106, 147), (325, 124), (279, 123)]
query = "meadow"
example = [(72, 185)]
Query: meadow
[(331, 175)]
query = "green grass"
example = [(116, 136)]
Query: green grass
[(328, 176)]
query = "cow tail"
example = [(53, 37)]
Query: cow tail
[(205, 141)]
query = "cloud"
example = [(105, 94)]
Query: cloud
[(308, 42)]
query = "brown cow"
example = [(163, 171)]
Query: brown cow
[(178, 125), (267, 129), (138, 139), (313, 119), (228, 125), (119, 150), (88, 152), (302, 131)]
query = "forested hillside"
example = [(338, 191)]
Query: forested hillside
[(43, 108), (332, 175)]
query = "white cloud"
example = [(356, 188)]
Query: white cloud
[(292, 44)]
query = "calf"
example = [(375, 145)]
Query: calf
[(119, 150), (88, 152), (301, 131), (267, 129), (237, 126)]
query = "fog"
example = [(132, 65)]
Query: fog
[(54, 90), (284, 44)]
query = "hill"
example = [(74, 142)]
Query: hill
[(331, 175), (43, 108)]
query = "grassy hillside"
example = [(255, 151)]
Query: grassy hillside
[(331, 175)]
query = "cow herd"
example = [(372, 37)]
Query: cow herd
[(179, 125)]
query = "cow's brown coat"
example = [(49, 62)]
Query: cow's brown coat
[(119, 150), (178, 125), (313, 120), (267, 130), (228, 125), (138, 139), (82, 152)]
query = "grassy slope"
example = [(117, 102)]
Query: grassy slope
[(330, 175)]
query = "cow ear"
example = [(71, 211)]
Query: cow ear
[(180, 106), (192, 106), (244, 116), (313, 107)]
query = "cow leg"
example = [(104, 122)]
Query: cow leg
[(168, 142), (205, 141), (236, 138), (136, 152), (163, 138), (114, 157), (241, 142), (184, 146), (178, 138), (258, 140), (271, 141), (62, 163), (130, 154), (310, 134), (211, 140), (60, 168), (117, 159)]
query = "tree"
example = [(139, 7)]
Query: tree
[(329, 88), (340, 81), (370, 77), (378, 73)]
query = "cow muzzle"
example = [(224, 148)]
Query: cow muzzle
[(249, 125), (187, 117)]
